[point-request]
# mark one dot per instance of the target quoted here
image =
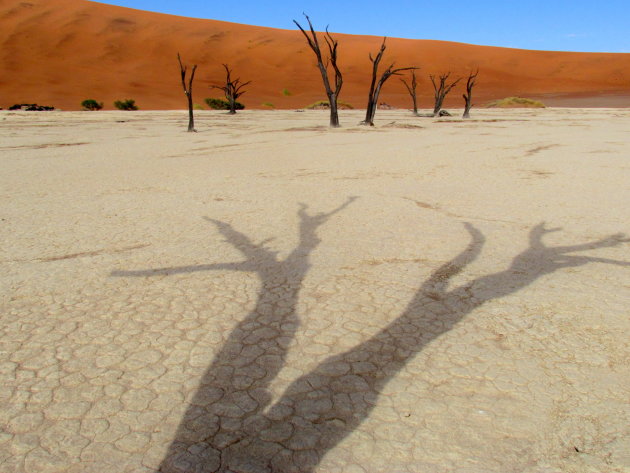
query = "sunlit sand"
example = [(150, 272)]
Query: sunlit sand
[(268, 294)]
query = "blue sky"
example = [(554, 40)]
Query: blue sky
[(579, 25)]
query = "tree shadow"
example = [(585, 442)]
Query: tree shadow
[(230, 426)]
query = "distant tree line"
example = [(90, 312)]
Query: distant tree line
[(332, 78), (441, 85)]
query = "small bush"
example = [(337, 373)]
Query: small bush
[(286, 92), (128, 104), (91, 105), (268, 105), (324, 105), (220, 104), (515, 102), (197, 106), (31, 107)]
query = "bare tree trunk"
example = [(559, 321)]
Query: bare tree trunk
[(334, 112), (470, 83), (191, 117), (232, 104), (332, 44), (412, 91), (377, 91), (441, 90), (437, 103), (375, 86), (371, 105), (188, 91)]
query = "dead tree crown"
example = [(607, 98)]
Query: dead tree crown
[(441, 89), (332, 46), (375, 86), (232, 89), (411, 88), (470, 83)]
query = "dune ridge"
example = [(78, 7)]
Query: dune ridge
[(60, 52)]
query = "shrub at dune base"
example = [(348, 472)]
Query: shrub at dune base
[(91, 105), (128, 104), (220, 104), (324, 105), (515, 102), (31, 107)]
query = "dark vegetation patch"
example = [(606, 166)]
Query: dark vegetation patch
[(31, 107), (127, 104), (220, 104)]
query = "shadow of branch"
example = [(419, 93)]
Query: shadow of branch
[(230, 425)]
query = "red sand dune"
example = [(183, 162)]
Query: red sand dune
[(60, 52)]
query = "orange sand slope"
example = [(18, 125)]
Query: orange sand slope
[(60, 52)]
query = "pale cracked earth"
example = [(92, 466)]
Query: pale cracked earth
[(268, 295)]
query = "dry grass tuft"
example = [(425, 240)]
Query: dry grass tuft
[(515, 102), (324, 105)]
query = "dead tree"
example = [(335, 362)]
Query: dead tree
[(232, 89), (470, 83), (412, 91), (375, 86), (441, 91), (188, 91), (332, 44)]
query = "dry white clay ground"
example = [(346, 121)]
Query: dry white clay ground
[(269, 295)]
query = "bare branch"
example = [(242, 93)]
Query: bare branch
[(322, 64), (441, 90), (232, 88), (375, 86), (411, 88)]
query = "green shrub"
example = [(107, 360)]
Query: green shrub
[(323, 104), (197, 106), (91, 105), (128, 104), (515, 102), (268, 104), (220, 104), (286, 92)]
